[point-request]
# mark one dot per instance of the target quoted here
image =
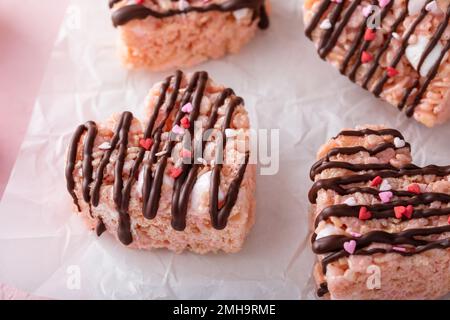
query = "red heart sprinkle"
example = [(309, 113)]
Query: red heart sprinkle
[(414, 188), (366, 57), (175, 172), (376, 181), (399, 211), (139, 1), (185, 123), (146, 143), (364, 214), (409, 211), (392, 72), (369, 35)]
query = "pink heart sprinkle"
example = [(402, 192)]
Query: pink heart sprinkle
[(367, 10), (350, 246), (386, 196), (187, 108), (383, 3), (355, 234), (177, 129)]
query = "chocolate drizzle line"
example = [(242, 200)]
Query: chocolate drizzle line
[(131, 12), (329, 38), (145, 160), (332, 246)]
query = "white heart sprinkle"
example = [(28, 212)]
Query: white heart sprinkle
[(433, 7), (326, 24), (105, 146), (399, 143), (183, 5), (241, 13), (350, 201), (396, 36), (385, 186)]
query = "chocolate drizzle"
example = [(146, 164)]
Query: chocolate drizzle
[(411, 240), (339, 15), (131, 12), (147, 159)]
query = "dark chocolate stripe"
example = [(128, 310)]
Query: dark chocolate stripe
[(70, 164), (325, 163), (385, 211), (316, 18), (409, 170), (104, 162), (87, 159), (100, 228), (333, 18), (407, 237), (331, 42), (366, 132), (131, 12), (439, 244), (124, 227)]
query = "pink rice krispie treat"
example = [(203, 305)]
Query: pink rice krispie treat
[(395, 49), (381, 224), (164, 34), (182, 180)]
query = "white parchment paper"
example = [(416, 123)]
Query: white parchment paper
[(286, 86)]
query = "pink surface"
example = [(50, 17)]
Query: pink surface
[(27, 32)]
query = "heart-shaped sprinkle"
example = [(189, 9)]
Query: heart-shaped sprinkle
[(386, 196), (399, 143), (185, 123), (326, 24), (409, 211), (366, 57), (376, 181), (414, 188), (350, 201), (187, 108), (399, 249), (367, 10), (177, 129), (364, 214), (396, 36), (432, 7), (399, 211), (146, 143), (385, 186), (391, 72), (175, 172), (105, 146), (370, 34), (355, 234), (350, 246)]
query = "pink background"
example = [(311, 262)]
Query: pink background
[(27, 31)]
